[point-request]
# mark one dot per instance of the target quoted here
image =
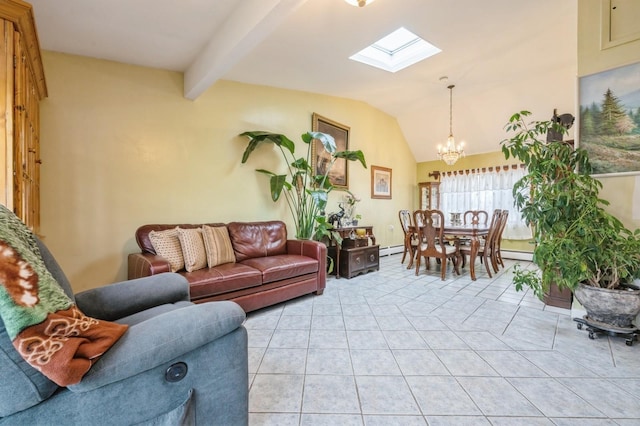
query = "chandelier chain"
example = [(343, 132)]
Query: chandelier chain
[(451, 109)]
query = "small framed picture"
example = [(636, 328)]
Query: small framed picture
[(381, 182)]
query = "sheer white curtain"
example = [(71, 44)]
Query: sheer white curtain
[(488, 190)]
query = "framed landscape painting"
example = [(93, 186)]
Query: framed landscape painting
[(610, 119), (320, 158)]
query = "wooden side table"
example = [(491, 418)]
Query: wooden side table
[(355, 255)]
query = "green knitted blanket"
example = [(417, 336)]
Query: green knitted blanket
[(43, 323)]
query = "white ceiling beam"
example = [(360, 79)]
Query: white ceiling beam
[(249, 24)]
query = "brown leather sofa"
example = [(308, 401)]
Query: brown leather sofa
[(269, 268)]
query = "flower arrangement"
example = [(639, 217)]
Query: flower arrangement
[(349, 201)]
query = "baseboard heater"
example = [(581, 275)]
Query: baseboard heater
[(389, 250), (507, 254), (517, 255)]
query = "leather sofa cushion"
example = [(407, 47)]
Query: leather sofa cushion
[(281, 267), (222, 279), (258, 239)]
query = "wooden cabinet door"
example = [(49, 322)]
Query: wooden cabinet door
[(6, 113), (26, 140), (429, 195)]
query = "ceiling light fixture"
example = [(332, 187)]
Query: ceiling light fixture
[(359, 3), (451, 152)]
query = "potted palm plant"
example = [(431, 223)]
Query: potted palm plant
[(305, 192), (578, 244)]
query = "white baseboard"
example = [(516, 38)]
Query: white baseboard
[(389, 250), (517, 255)]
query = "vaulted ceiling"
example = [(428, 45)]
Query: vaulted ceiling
[(502, 55)]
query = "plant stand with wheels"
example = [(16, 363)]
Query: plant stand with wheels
[(595, 328)]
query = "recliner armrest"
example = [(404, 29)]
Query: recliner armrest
[(125, 298), (161, 339)]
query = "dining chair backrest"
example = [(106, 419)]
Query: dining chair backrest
[(494, 228), (504, 218), (428, 226), (405, 220), (497, 215), (418, 218), (475, 217)]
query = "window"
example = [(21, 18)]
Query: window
[(396, 51), (485, 190)]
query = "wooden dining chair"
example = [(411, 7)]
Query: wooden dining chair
[(486, 251), (430, 228), (410, 236), (497, 254), (475, 217)]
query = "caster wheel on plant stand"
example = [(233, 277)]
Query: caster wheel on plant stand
[(596, 328)]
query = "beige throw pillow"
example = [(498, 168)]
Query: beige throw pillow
[(167, 245), (218, 245), (195, 256)]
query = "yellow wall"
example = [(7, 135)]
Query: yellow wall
[(122, 147), (592, 58)]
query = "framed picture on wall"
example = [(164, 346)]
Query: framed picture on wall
[(381, 182), (610, 120), (320, 159)]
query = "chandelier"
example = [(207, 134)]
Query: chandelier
[(359, 3), (451, 152)]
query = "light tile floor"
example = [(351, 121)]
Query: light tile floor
[(390, 348)]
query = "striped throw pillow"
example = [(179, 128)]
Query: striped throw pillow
[(218, 245)]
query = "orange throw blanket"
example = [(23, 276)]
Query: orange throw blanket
[(43, 323), (66, 344)]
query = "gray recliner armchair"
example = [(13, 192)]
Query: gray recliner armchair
[(178, 363)]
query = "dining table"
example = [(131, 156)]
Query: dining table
[(474, 232)]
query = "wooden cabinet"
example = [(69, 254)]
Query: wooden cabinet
[(22, 86), (355, 255), (359, 260), (429, 195)]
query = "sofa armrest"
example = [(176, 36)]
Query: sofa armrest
[(146, 264), (161, 339), (125, 298), (314, 250)]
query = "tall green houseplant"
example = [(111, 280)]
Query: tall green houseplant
[(576, 239), (306, 193)]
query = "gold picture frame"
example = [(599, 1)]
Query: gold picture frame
[(381, 182), (339, 173)]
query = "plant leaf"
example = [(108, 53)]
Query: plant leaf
[(258, 136), (325, 139), (352, 156)]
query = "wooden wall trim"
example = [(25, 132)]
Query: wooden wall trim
[(21, 14)]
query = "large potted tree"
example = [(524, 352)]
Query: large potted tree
[(578, 244), (306, 193)]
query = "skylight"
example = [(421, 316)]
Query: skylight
[(396, 51)]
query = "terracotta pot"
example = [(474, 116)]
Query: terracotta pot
[(618, 307)]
